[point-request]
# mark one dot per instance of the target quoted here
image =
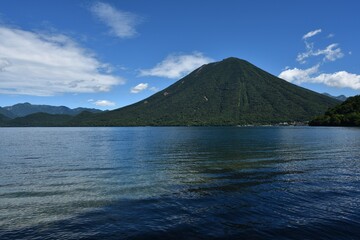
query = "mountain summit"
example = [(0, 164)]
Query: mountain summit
[(229, 92)]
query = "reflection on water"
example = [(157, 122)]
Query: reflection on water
[(183, 182)]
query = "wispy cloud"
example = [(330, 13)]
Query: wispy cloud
[(311, 34), (176, 66), (103, 103), (330, 53), (122, 24), (48, 64), (154, 89), (139, 88)]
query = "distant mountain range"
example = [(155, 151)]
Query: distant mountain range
[(341, 98), (229, 92), (25, 109), (6, 113)]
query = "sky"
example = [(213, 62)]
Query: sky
[(109, 54)]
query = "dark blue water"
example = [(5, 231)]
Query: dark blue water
[(180, 183)]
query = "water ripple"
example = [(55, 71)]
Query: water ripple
[(180, 183)]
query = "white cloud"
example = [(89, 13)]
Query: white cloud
[(104, 103), (341, 79), (176, 66), (330, 53), (311, 34), (298, 76), (122, 24), (154, 89), (45, 65), (140, 87)]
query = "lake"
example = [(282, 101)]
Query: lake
[(180, 183)]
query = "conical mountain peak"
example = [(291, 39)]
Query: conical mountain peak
[(229, 92), (233, 60), (229, 61)]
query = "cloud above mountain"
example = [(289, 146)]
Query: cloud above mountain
[(176, 66), (139, 88), (104, 103)]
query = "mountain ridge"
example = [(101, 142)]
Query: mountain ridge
[(6, 113), (25, 109), (341, 98)]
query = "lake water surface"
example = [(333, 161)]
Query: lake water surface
[(180, 183)]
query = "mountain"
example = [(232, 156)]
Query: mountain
[(341, 98), (24, 109), (345, 114), (229, 92), (3, 119), (40, 119), (6, 113)]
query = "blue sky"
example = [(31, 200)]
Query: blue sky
[(108, 54)]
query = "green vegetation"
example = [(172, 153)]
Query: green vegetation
[(40, 119), (3, 119), (345, 114), (230, 92)]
